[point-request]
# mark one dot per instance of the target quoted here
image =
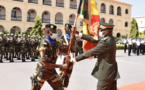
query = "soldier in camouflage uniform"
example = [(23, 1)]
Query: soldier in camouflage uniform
[(23, 48), (66, 39), (48, 53), (1, 47), (33, 48), (7, 46), (79, 46), (18, 47), (11, 47), (28, 47)]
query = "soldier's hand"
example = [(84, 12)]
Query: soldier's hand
[(64, 66), (67, 58), (74, 29), (73, 61)]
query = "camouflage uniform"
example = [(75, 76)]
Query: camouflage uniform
[(18, 47), (68, 72), (45, 71), (23, 48), (11, 48), (1, 48), (79, 48)]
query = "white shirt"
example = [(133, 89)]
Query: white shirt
[(129, 41), (138, 43)]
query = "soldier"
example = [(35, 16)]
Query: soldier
[(125, 45), (138, 46), (142, 45), (106, 69), (129, 46), (66, 39), (33, 48), (7, 46), (18, 47), (48, 53), (134, 45), (79, 46), (11, 47), (23, 48), (2, 48)]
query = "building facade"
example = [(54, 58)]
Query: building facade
[(18, 15), (141, 23)]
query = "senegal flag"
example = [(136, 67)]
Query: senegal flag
[(89, 14)]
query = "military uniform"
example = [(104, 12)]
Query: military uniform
[(106, 69), (48, 51), (79, 46), (2, 48), (66, 39)]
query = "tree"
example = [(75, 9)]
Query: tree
[(134, 33), (36, 29), (5, 32)]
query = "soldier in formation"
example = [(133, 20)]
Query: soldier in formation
[(20, 47), (137, 45)]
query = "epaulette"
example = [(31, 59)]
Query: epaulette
[(105, 38), (96, 38)]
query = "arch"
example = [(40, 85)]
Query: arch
[(126, 24), (73, 4), (59, 18), (2, 13), (103, 8), (111, 21), (119, 11), (126, 11), (31, 14), (14, 29), (29, 30), (71, 19), (46, 17), (60, 3), (16, 14), (103, 20), (47, 2), (1, 28), (111, 9)]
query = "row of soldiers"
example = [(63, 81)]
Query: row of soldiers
[(137, 45), (20, 47)]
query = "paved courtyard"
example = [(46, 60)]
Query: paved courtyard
[(16, 76)]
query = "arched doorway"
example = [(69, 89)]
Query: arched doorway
[(59, 18), (1, 28), (31, 14), (45, 17), (15, 29), (2, 13), (71, 19)]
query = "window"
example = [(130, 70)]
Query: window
[(126, 24), (14, 13)]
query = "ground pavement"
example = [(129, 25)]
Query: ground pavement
[(16, 76)]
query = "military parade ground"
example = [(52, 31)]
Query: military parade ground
[(16, 75)]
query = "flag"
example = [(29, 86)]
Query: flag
[(89, 14)]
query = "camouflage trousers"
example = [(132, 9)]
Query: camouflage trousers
[(78, 50), (1, 55), (67, 75), (50, 76)]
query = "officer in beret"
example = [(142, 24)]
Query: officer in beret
[(106, 69), (48, 52)]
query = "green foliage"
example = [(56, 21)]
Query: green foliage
[(120, 46), (124, 36), (26, 33), (36, 29), (134, 33), (142, 34), (5, 32), (16, 33)]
